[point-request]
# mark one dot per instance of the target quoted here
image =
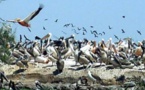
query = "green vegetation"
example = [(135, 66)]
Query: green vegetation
[(7, 35)]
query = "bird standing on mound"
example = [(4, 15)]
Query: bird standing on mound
[(25, 22)]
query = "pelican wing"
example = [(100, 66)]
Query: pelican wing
[(14, 21), (33, 14)]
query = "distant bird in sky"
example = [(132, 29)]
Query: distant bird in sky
[(45, 19), (79, 28), (103, 32), (83, 33), (76, 32), (64, 32), (116, 37), (44, 28), (123, 16), (92, 26), (84, 30), (138, 32), (56, 20), (95, 35), (110, 27), (100, 34), (25, 22), (123, 31), (66, 25), (95, 32), (72, 25), (91, 31)]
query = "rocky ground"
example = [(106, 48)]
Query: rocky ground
[(45, 73)]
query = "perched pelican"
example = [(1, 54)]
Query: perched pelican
[(120, 78), (25, 22), (2, 76), (60, 62), (92, 77), (38, 85), (21, 62)]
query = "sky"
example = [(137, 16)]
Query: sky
[(81, 13)]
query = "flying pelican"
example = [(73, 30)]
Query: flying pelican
[(25, 22)]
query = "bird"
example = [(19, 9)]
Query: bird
[(92, 26), (123, 31), (123, 16), (92, 77), (116, 37), (95, 32), (138, 32), (95, 35), (38, 85), (44, 28), (84, 30), (110, 27), (103, 32), (100, 34), (45, 19), (72, 25), (2, 76), (121, 78), (56, 20), (64, 32), (83, 33), (79, 28), (25, 22)]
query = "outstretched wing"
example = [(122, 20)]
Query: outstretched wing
[(33, 14)]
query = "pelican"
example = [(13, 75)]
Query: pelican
[(60, 62), (38, 85), (92, 77), (21, 62), (2, 76), (25, 22)]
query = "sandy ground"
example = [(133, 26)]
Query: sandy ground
[(44, 72)]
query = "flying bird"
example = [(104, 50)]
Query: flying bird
[(100, 34), (103, 32), (56, 20), (84, 30), (123, 16), (25, 22), (110, 27), (79, 28), (45, 19), (83, 33), (95, 35), (95, 32), (123, 31), (72, 25), (116, 37), (138, 32), (44, 28), (92, 26), (64, 32)]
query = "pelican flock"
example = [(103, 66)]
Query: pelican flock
[(124, 53)]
